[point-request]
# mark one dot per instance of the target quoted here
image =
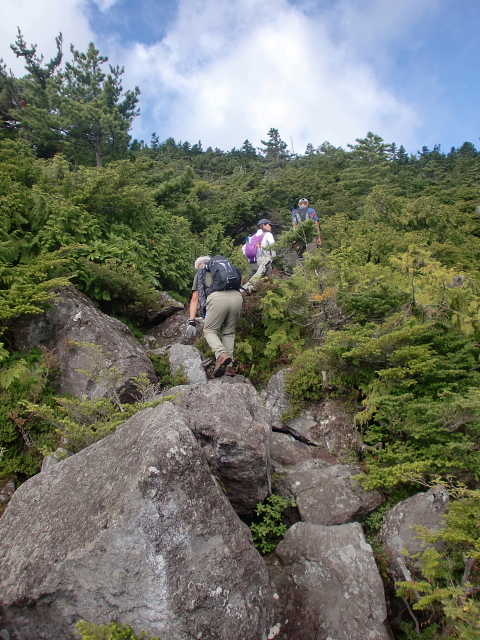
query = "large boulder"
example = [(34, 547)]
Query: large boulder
[(231, 425), (292, 480), (189, 359), (276, 399), (286, 451), (425, 509), (165, 307), (328, 423), (74, 319), (134, 529), (326, 585), (172, 330), (330, 495)]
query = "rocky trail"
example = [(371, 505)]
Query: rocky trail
[(145, 527)]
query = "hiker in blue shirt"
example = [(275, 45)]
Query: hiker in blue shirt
[(304, 212)]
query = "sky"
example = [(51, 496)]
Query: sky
[(224, 71)]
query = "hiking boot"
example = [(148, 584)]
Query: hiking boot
[(230, 371), (223, 360)]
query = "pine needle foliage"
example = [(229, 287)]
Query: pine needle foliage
[(445, 588)]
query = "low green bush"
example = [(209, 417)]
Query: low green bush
[(26, 378), (167, 377), (112, 631), (270, 528)]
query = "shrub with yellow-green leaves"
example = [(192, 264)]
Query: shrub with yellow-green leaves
[(111, 631), (25, 378)]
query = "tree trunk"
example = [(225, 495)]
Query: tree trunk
[(98, 151)]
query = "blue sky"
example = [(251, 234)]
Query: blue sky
[(222, 71)]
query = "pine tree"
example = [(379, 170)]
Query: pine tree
[(34, 98), (33, 64), (96, 119), (372, 148), (248, 148), (196, 148), (310, 149), (402, 155), (81, 111), (275, 147), (10, 97)]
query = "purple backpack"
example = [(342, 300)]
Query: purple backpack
[(251, 248)]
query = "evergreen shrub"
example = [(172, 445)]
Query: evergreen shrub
[(445, 591)]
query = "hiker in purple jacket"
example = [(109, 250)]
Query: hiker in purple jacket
[(258, 245)]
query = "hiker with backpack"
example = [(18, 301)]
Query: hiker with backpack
[(257, 247), (216, 294), (305, 212)]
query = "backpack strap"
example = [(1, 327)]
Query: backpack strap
[(202, 291), (258, 239)]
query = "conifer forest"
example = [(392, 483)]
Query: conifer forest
[(385, 314)]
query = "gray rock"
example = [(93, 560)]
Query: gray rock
[(231, 425), (166, 307), (172, 330), (74, 318), (275, 399), (135, 529), (327, 586), (190, 359), (150, 342), (51, 461), (286, 451), (329, 424), (6, 493), (160, 351), (237, 379), (302, 427), (175, 391), (330, 496), (293, 480), (425, 509)]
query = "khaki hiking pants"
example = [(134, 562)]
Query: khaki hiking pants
[(223, 314)]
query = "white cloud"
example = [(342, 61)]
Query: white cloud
[(228, 71), (40, 21)]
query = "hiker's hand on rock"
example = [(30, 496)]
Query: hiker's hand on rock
[(191, 330)]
